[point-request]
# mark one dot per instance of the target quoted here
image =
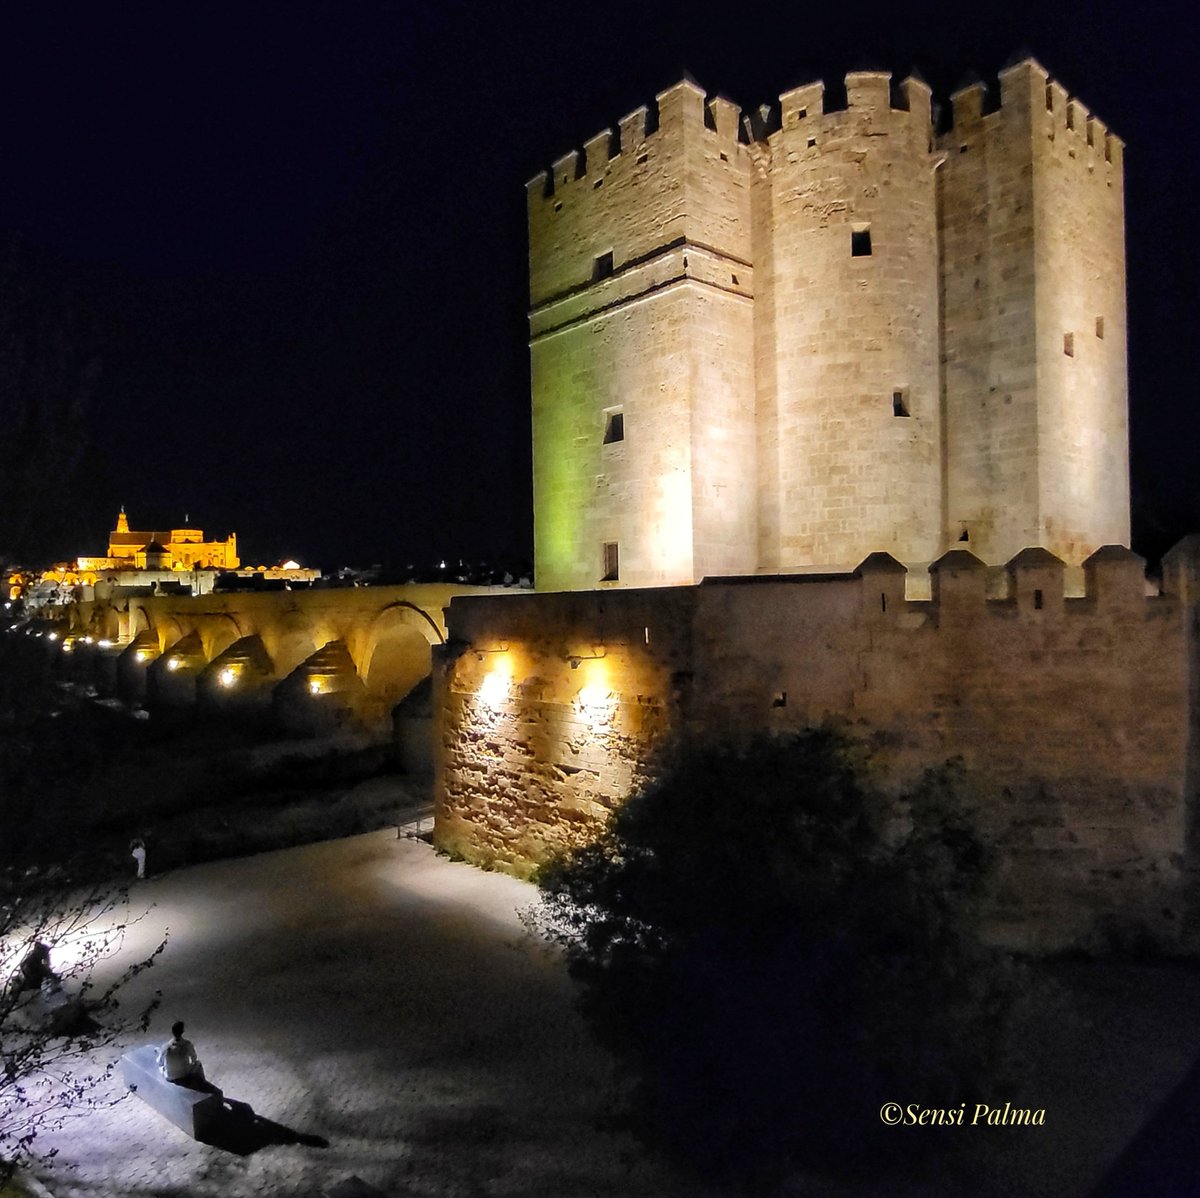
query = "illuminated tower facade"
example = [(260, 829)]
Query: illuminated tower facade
[(643, 352), (1032, 223), (787, 341)]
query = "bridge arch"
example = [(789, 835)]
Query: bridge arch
[(139, 622), (290, 641), (396, 652), (219, 630), (171, 630)]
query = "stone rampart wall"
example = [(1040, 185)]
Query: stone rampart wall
[(1073, 718)]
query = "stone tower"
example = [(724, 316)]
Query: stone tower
[(847, 366), (643, 352), (786, 343), (1032, 223)]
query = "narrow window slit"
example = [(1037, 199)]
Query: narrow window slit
[(614, 426)]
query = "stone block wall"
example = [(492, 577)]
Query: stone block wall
[(550, 710), (1074, 719), (640, 284), (1033, 302), (852, 234), (1081, 327)]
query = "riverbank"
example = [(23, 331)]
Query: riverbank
[(83, 776), (374, 995)]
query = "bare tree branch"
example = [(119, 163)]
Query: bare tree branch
[(55, 1019)]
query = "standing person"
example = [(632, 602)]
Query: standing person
[(137, 850), (179, 1063)]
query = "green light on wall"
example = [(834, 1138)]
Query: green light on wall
[(563, 456)]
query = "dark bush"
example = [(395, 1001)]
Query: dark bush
[(775, 950)]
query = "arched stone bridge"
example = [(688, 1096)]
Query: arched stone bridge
[(320, 657)]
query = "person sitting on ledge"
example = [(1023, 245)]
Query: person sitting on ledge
[(179, 1063), (34, 969)]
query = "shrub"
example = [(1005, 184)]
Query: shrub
[(774, 950)]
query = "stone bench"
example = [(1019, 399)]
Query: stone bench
[(193, 1111)]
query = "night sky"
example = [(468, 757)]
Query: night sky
[(300, 230)]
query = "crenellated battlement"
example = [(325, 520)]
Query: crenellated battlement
[(640, 135), (1027, 92), (1035, 584), (805, 119), (1024, 86), (686, 106)]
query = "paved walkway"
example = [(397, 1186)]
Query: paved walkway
[(373, 994)]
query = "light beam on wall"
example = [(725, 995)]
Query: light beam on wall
[(496, 685), (670, 541), (494, 689), (594, 698)]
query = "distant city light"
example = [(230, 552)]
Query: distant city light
[(54, 636), (290, 565), (314, 686), (105, 643), (141, 655), (173, 663), (67, 646), (228, 676)]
